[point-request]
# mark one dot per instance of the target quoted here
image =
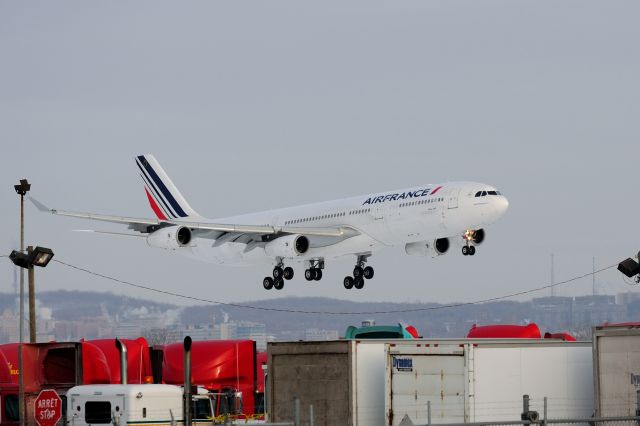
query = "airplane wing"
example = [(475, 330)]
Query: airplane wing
[(149, 225)]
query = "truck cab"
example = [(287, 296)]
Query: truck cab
[(125, 404), (9, 407)]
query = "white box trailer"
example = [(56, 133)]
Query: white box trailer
[(352, 382), (616, 369), (485, 380)]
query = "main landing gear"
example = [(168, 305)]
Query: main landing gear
[(314, 272), (360, 273), (280, 273)]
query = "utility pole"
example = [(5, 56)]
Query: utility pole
[(32, 301), (553, 288), (21, 190), (593, 276)]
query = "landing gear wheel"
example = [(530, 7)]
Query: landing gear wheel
[(277, 272), (358, 283), (348, 283), (287, 273), (465, 250), (310, 274), (368, 272), (267, 283), (278, 284), (357, 272), (472, 250), (318, 275)]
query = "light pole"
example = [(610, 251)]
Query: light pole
[(21, 189), (39, 256)]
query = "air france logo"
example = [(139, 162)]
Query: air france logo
[(400, 196), (402, 364)]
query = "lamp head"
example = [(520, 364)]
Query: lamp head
[(23, 187)]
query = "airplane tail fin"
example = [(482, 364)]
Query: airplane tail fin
[(164, 198)]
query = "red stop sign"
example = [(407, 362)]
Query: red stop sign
[(48, 407)]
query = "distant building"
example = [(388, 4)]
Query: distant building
[(199, 332), (553, 310), (596, 310), (315, 334)]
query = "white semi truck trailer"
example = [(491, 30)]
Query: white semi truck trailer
[(375, 382)]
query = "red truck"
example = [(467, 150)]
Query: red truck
[(45, 365), (228, 369)]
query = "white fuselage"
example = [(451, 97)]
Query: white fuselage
[(389, 218)]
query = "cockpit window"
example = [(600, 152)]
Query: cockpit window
[(485, 193)]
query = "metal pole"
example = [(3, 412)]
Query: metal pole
[(428, 412), (544, 419), (187, 380), (124, 362), (311, 415), (525, 407), (21, 410), (32, 301), (296, 411)]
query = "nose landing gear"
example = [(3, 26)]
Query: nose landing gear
[(470, 237), (468, 250), (360, 273)]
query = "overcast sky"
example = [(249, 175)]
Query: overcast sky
[(251, 106)]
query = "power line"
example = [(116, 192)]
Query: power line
[(300, 311)]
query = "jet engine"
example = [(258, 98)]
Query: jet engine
[(425, 248), (170, 238), (288, 246)]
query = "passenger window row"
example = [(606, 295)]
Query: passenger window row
[(427, 201), (314, 218)]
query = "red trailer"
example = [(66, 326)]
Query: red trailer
[(530, 331), (45, 366), (565, 337), (224, 368), (105, 360)]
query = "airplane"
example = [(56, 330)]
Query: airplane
[(424, 219)]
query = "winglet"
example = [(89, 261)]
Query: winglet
[(41, 206)]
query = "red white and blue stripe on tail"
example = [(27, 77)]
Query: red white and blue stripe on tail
[(164, 198)]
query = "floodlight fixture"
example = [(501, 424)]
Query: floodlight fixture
[(23, 187), (40, 256), (629, 267), (19, 259)]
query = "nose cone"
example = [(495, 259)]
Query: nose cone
[(501, 205)]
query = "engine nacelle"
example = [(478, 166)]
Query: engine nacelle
[(425, 248), (170, 238), (288, 246)]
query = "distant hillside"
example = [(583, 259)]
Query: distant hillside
[(430, 318), (76, 305), (289, 317)]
